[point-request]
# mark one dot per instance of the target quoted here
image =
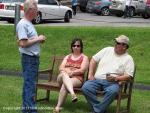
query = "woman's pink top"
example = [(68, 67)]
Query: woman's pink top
[(75, 64)]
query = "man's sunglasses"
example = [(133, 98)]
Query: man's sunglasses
[(118, 43)]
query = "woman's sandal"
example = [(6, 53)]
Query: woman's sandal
[(74, 98)]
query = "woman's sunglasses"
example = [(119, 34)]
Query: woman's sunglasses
[(76, 45)]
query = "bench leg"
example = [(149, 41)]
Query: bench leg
[(42, 99), (47, 95), (128, 104), (118, 104)]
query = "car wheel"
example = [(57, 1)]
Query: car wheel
[(67, 17), (38, 19), (119, 14), (10, 20), (105, 11), (98, 13), (145, 16), (132, 12)]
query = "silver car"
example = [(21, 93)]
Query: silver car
[(47, 10), (138, 7)]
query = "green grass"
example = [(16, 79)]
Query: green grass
[(10, 96), (94, 38)]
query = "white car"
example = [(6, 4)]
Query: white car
[(47, 10), (138, 7)]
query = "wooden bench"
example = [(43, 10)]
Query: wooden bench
[(52, 85)]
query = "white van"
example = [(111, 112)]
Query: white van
[(137, 7)]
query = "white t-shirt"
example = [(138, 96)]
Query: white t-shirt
[(109, 62)]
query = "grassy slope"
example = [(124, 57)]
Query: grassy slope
[(94, 38)]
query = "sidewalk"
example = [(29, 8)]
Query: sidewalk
[(17, 73)]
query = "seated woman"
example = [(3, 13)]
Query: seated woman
[(71, 72)]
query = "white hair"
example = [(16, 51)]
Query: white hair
[(29, 4)]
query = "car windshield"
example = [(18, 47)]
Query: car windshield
[(12, 1)]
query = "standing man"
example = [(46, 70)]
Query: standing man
[(114, 65), (127, 11), (74, 6), (29, 47)]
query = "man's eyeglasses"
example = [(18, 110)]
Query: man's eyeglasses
[(76, 45), (123, 44), (34, 8)]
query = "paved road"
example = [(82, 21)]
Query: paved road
[(87, 19)]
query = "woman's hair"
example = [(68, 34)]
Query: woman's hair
[(77, 40), (29, 4)]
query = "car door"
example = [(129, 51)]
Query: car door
[(49, 9), (54, 9), (141, 5)]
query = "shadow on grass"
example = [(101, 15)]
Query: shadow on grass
[(81, 106)]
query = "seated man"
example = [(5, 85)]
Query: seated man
[(114, 64)]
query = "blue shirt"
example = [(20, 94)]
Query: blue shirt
[(26, 30), (74, 2)]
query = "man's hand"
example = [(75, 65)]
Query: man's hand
[(110, 78), (41, 38)]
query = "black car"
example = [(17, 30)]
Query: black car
[(82, 5), (100, 7)]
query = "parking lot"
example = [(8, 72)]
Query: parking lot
[(88, 19)]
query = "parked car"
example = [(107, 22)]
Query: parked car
[(0, 2), (146, 10), (138, 7), (47, 10), (99, 7)]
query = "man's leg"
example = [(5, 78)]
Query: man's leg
[(111, 90), (129, 12), (74, 10), (90, 89), (30, 70), (125, 11)]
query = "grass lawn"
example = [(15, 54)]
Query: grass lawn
[(10, 96), (94, 38)]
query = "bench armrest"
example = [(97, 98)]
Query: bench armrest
[(122, 82), (125, 82)]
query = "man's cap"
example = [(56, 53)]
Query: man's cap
[(122, 39)]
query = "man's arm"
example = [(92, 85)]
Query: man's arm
[(28, 42), (124, 77), (92, 69)]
